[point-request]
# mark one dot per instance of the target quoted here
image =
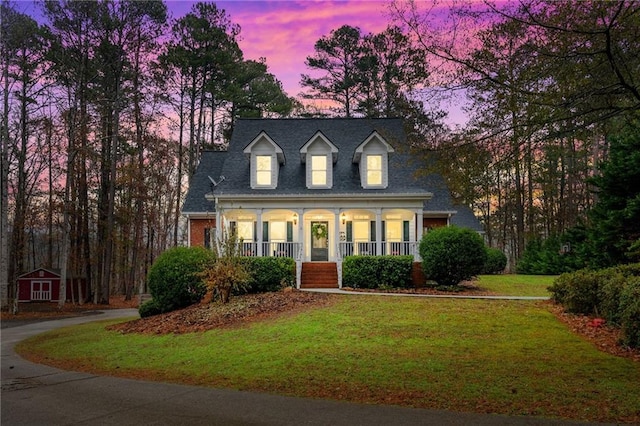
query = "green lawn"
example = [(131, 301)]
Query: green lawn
[(510, 357), (517, 285)]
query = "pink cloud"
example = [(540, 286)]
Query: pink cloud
[(284, 32)]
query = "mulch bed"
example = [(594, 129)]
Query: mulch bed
[(240, 310), (605, 337)]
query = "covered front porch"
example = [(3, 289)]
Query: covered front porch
[(312, 228), (322, 235)]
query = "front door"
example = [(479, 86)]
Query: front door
[(319, 241)]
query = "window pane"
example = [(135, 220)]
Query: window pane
[(279, 232), (318, 177), (374, 169), (374, 177), (319, 170), (394, 231), (361, 231), (263, 162), (263, 170), (245, 231), (374, 162)]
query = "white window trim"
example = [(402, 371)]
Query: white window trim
[(270, 171), (263, 145), (319, 145), (328, 172), (366, 148)]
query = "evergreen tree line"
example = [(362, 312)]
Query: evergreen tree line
[(107, 106)]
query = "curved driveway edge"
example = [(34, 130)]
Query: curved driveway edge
[(35, 394)]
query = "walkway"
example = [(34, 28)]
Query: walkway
[(35, 394)]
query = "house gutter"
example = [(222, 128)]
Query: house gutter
[(297, 197)]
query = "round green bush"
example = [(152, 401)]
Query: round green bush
[(451, 255), (496, 261), (174, 278), (149, 308), (270, 273)]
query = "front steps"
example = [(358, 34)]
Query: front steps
[(319, 275)]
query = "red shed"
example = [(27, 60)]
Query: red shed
[(43, 285)]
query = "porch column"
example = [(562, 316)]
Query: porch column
[(419, 230), (219, 226), (336, 233), (378, 232), (301, 236), (259, 232), (419, 225)]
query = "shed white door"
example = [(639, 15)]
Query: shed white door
[(41, 290)]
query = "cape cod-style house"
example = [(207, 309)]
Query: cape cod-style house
[(317, 190)]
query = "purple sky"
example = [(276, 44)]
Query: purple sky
[(284, 32)]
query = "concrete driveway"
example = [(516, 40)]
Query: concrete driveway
[(34, 394)]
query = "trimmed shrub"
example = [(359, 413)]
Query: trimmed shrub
[(612, 282), (360, 272), (496, 261), (612, 293), (451, 255), (630, 313), (175, 277), (577, 291), (593, 292), (149, 308), (377, 271), (395, 271), (270, 273), (629, 270)]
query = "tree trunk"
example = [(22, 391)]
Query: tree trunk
[(4, 193), (66, 225)]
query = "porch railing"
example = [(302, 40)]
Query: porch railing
[(272, 249), (370, 248)]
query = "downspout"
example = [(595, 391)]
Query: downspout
[(188, 230), (217, 233)]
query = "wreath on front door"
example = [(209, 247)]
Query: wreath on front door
[(319, 231)]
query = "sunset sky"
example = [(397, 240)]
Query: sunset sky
[(284, 32)]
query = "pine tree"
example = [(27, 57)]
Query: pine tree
[(615, 219)]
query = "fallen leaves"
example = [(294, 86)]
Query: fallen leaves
[(239, 310), (604, 336)]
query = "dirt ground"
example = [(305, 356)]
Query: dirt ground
[(243, 309)]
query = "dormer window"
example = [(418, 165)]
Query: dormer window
[(265, 157), (372, 156), (319, 170), (374, 169), (319, 154), (263, 170)]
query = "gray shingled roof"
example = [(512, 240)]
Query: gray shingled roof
[(211, 164), (291, 135)]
